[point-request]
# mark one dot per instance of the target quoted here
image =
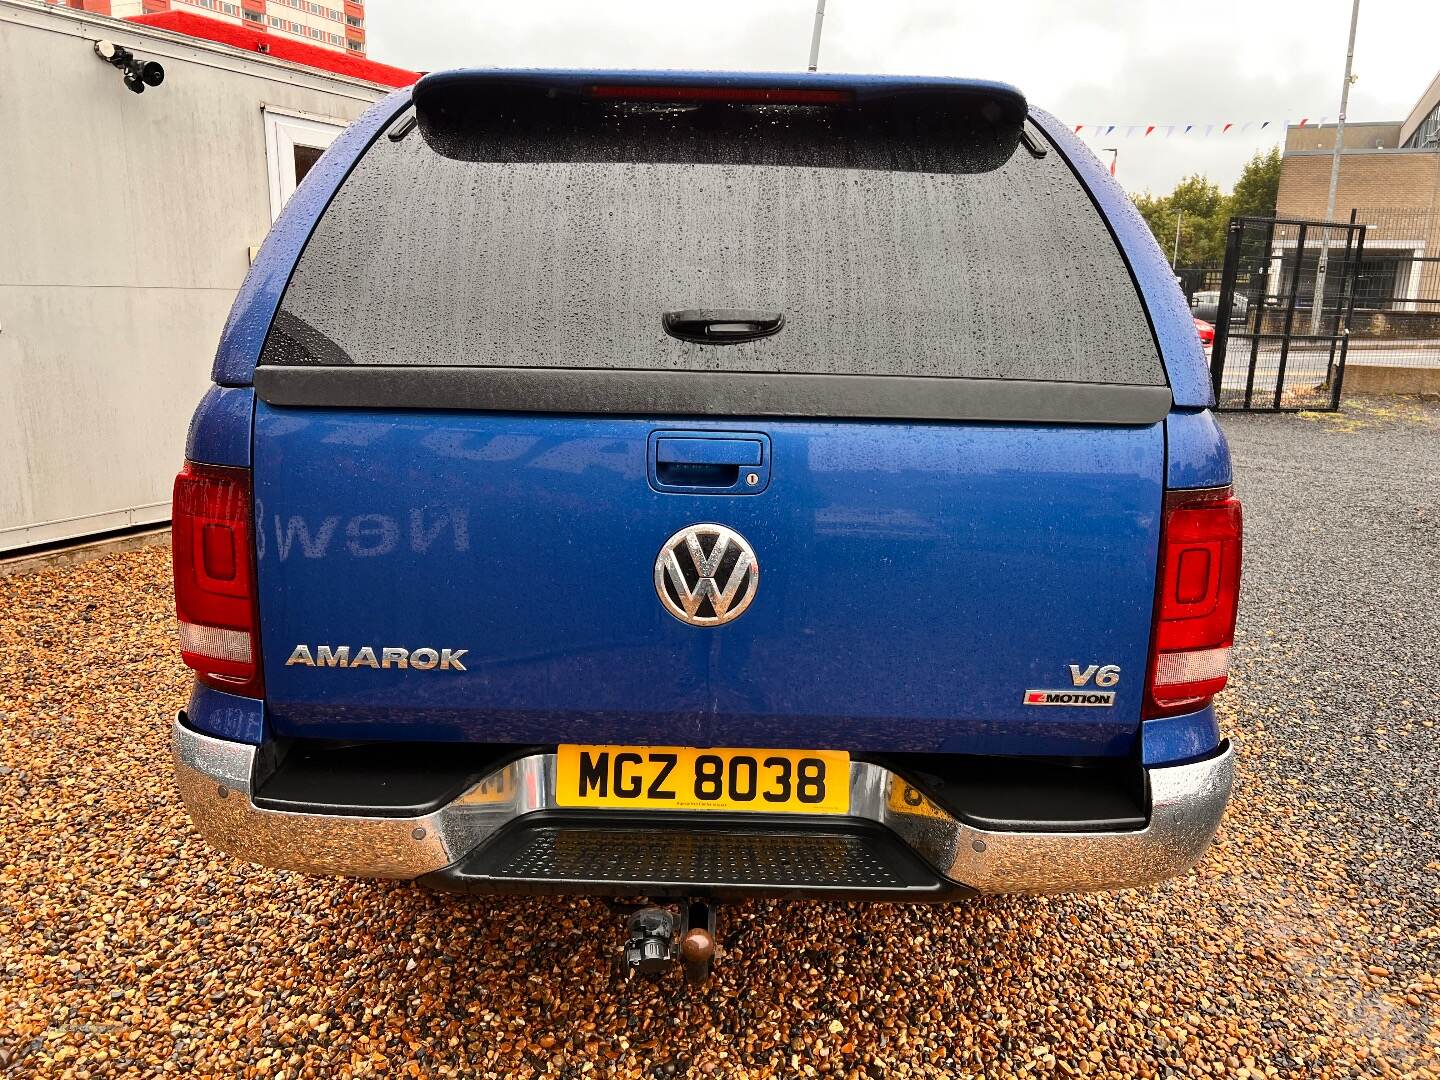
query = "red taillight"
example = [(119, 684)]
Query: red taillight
[(1195, 608), (215, 577), (749, 95)]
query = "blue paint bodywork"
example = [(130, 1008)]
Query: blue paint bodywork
[(1175, 740), (916, 578), (1197, 454), (220, 429)]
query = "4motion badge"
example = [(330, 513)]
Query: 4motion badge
[(1080, 677)]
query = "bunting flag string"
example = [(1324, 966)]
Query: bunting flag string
[(1219, 129)]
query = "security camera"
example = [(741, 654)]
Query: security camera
[(112, 53), (138, 75)]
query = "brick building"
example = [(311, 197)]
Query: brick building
[(330, 24), (1393, 164), (1390, 175)]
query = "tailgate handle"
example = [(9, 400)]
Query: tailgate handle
[(709, 462), (721, 326), (707, 451)]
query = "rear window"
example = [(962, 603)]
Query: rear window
[(541, 233)]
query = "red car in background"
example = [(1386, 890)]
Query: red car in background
[(1206, 331)]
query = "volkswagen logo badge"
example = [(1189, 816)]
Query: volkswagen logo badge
[(706, 575)]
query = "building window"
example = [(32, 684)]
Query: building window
[(1427, 135), (292, 145), (353, 21), (355, 46), (254, 16)]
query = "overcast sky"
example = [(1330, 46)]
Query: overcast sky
[(1088, 61)]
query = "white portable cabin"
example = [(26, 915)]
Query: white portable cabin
[(127, 222)]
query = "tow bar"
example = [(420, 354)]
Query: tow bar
[(651, 943)]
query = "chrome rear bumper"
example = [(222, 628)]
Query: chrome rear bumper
[(215, 778)]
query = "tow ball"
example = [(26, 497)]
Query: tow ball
[(655, 937)]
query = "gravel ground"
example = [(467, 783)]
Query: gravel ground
[(1306, 944)]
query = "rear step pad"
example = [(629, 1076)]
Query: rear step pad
[(561, 852)]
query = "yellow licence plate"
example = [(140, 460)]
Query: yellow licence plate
[(686, 778)]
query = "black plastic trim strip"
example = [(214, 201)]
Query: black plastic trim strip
[(709, 393), (379, 779), (1029, 795)]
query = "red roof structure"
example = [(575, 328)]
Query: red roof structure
[(297, 52)]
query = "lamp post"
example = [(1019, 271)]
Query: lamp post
[(1318, 302), (815, 34)]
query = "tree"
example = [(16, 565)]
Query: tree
[(1160, 216), (1203, 211), (1258, 188)]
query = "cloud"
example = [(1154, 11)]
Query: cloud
[(1087, 61)]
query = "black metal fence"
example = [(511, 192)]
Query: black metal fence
[(1199, 280), (1283, 312), (1397, 290), (1395, 320)]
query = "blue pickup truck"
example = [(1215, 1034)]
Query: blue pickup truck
[(694, 485)]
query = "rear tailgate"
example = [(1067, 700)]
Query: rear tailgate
[(960, 459), (916, 580)]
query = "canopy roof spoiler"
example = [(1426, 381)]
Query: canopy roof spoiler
[(1001, 104)]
